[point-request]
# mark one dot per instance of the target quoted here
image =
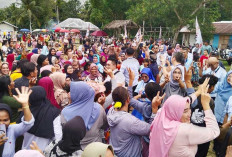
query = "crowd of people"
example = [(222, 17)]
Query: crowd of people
[(65, 97)]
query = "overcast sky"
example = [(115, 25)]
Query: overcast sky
[(6, 3)]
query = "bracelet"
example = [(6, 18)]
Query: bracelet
[(25, 107)]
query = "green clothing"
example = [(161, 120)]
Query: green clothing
[(14, 105), (208, 47)]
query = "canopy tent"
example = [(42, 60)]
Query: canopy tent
[(99, 34), (76, 23), (91, 26), (117, 24), (24, 30)]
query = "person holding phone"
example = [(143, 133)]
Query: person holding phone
[(7, 139)]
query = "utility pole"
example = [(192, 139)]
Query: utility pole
[(57, 12)]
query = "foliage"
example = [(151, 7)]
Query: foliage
[(166, 13)]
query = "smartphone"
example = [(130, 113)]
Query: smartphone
[(3, 130)]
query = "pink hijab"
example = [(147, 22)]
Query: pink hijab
[(165, 126), (91, 76), (28, 153), (58, 79), (34, 58), (47, 84)]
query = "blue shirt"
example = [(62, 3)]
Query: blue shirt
[(133, 64), (228, 108), (220, 73), (14, 131)]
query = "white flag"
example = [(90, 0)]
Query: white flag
[(198, 36), (125, 32), (138, 35), (87, 32), (160, 34)]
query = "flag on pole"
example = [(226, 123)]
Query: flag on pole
[(160, 33), (125, 32), (198, 36), (87, 32), (138, 35)]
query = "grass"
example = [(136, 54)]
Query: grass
[(226, 65)]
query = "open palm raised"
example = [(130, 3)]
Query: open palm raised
[(23, 96)]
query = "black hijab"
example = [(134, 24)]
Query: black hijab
[(44, 113), (8, 109), (40, 61), (73, 132), (50, 55), (4, 82)]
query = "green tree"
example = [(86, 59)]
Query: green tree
[(30, 10)]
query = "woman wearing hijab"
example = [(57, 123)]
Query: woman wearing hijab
[(61, 95), (44, 112), (42, 61), (34, 58), (69, 146), (7, 140), (93, 114), (96, 60), (177, 48), (94, 74), (146, 76), (47, 84), (103, 61), (10, 59), (68, 70), (52, 52), (173, 135), (86, 71), (97, 149), (224, 91), (29, 56), (175, 85), (45, 49), (28, 153)]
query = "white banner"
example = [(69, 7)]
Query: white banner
[(125, 32), (87, 32), (198, 36), (138, 35)]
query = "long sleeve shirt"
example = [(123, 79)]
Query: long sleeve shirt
[(189, 136), (14, 131)]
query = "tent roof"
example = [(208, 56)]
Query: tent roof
[(120, 24), (76, 23), (92, 26)]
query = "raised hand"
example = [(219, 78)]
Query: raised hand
[(202, 86), (3, 140), (23, 97), (32, 81), (34, 146), (188, 74), (131, 77), (205, 98), (156, 101), (109, 72)]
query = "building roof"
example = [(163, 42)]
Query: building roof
[(223, 27), (8, 24), (120, 24), (76, 23)]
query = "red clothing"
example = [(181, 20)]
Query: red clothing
[(202, 60)]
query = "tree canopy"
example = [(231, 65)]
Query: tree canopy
[(166, 13)]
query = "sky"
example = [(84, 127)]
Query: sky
[(6, 3)]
